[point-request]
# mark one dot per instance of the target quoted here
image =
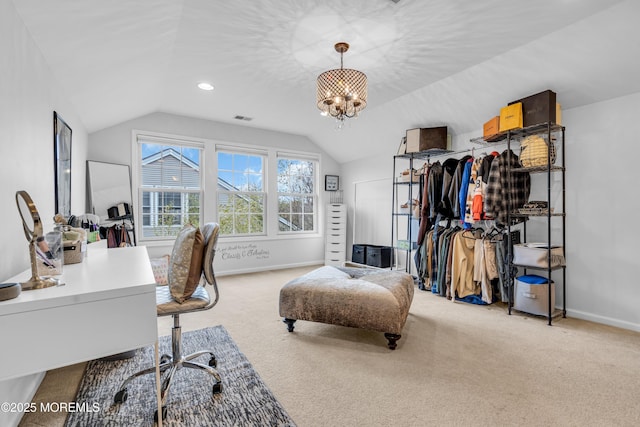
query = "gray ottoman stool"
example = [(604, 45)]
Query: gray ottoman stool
[(372, 299)]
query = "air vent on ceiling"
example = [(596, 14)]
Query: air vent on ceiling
[(245, 118)]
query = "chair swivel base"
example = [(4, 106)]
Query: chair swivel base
[(170, 365)]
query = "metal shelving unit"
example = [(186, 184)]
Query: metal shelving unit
[(515, 136), (407, 218)]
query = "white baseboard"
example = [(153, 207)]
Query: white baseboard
[(20, 391), (603, 320), (271, 267)]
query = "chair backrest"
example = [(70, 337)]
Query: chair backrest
[(210, 233)]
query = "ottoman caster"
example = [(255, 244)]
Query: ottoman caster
[(289, 323), (392, 338)]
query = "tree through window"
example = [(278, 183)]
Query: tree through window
[(241, 193), (296, 195)]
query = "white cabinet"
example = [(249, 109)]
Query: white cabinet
[(336, 234)]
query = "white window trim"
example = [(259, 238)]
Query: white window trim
[(265, 183), (209, 166), (316, 194), (136, 160)]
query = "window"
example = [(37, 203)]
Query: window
[(241, 193), (296, 195), (170, 191)]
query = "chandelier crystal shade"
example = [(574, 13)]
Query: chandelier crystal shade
[(342, 93)]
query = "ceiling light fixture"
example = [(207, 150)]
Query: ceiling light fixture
[(205, 86), (342, 93)]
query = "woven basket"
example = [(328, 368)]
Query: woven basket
[(73, 252), (534, 151)]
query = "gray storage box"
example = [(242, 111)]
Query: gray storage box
[(359, 253), (537, 255), (533, 298), (379, 256)]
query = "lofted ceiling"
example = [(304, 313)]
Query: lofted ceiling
[(453, 62)]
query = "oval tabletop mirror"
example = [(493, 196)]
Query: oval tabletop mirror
[(32, 231)]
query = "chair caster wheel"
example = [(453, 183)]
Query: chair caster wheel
[(164, 358), (217, 388), (213, 362), (164, 414), (121, 396)]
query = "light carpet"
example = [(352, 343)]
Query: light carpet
[(244, 401), (456, 365)]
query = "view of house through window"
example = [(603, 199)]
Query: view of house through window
[(241, 193), (296, 195), (170, 192)]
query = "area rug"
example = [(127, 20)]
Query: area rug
[(245, 399)]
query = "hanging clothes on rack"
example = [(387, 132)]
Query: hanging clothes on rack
[(462, 195), (435, 256), (448, 171), (435, 189), (117, 236), (420, 256), (444, 260), (476, 195), (485, 268), (456, 186), (485, 166), (497, 201), (473, 184), (425, 220), (462, 283)]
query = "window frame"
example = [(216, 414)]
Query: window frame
[(314, 195), (208, 184), (140, 138), (234, 150)]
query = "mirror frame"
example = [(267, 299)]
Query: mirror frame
[(62, 165), (31, 212)]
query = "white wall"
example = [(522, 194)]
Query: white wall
[(602, 152), (234, 255), (602, 200), (29, 94)]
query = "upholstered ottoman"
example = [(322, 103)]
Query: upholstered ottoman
[(372, 299)]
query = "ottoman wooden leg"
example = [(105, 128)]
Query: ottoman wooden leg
[(392, 338), (289, 323)]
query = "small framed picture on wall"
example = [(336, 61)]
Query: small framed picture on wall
[(331, 183)]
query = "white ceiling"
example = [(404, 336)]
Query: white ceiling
[(121, 59)]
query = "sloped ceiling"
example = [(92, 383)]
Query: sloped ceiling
[(453, 62)]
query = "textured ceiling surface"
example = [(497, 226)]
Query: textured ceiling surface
[(120, 59)]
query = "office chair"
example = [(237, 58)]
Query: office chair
[(200, 300)]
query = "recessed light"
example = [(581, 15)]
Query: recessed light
[(205, 86)]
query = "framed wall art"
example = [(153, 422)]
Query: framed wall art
[(331, 182), (62, 165)]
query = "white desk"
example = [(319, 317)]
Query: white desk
[(107, 306)]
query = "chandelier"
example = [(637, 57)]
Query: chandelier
[(342, 93)]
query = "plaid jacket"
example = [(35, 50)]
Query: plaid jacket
[(498, 200)]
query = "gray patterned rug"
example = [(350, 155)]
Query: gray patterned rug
[(244, 401)]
